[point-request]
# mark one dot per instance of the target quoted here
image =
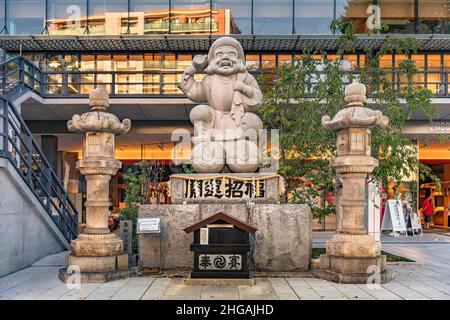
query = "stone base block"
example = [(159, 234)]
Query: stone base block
[(99, 264), (219, 282), (98, 245), (352, 265), (354, 278), (353, 245), (93, 264), (93, 277), (283, 241), (353, 270)]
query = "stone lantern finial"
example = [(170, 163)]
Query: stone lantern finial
[(355, 94), (99, 99)]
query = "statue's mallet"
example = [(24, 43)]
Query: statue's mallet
[(200, 62)]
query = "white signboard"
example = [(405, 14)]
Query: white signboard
[(415, 220), (394, 219), (415, 224), (149, 225), (204, 236)]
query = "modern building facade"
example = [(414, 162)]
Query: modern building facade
[(138, 49)]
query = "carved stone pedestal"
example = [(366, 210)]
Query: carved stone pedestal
[(97, 255), (98, 258), (353, 259)]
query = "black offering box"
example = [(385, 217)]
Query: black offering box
[(221, 246)]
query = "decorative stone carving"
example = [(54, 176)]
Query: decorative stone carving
[(351, 250), (226, 127), (98, 250), (98, 120), (355, 115)]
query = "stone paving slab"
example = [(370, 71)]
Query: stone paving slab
[(219, 293), (283, 290), (156, 289), (427, 279)]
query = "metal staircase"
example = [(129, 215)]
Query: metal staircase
[(18, 76)]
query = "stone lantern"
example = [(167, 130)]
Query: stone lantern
[(352, 255), (97, 253)]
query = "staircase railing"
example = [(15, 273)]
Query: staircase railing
[(18, 75), (21, 149)]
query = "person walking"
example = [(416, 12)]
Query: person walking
[(427, 210)]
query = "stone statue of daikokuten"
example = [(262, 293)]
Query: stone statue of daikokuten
[(226, 127)]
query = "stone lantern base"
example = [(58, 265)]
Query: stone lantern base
[(98, 258), (353, 259)]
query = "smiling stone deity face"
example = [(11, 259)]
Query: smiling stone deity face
[(226, 61)]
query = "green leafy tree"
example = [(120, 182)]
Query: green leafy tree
[(308, 88)]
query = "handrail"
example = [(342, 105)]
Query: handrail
[(17, 75), (21, 149)]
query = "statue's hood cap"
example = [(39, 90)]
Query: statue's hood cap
[(228, 42)]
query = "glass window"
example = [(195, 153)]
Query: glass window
[(154, 14), (434, 16), (236, 16), (284, 59), (419, 60), (268, 63), (399, 58), (397, 15), (434, 76), (2, 14), (152, 61), (351, 61), (26, 16), (313, 16), (108, 16), (434, 62), (386, 61), (356, 11), (252, 62), (88, 62), (447, 62), (169, 61), (187, 17), (272, 17), (67, 17)]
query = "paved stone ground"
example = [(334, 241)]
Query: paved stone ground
[(429, 278)]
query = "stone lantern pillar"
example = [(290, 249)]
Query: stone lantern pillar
[(98, 253), (352, 255)]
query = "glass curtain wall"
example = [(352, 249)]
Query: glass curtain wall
[(108, 16), (272, 17), (2, 15), (238, 13), (26, 16), (397, 16), (191, 16), (434, 16), (356, 11), (313, 16), (67, 17), (147, 17), (72, 17)]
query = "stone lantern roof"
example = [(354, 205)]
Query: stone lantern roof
[(98, 120), (355, 115)]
